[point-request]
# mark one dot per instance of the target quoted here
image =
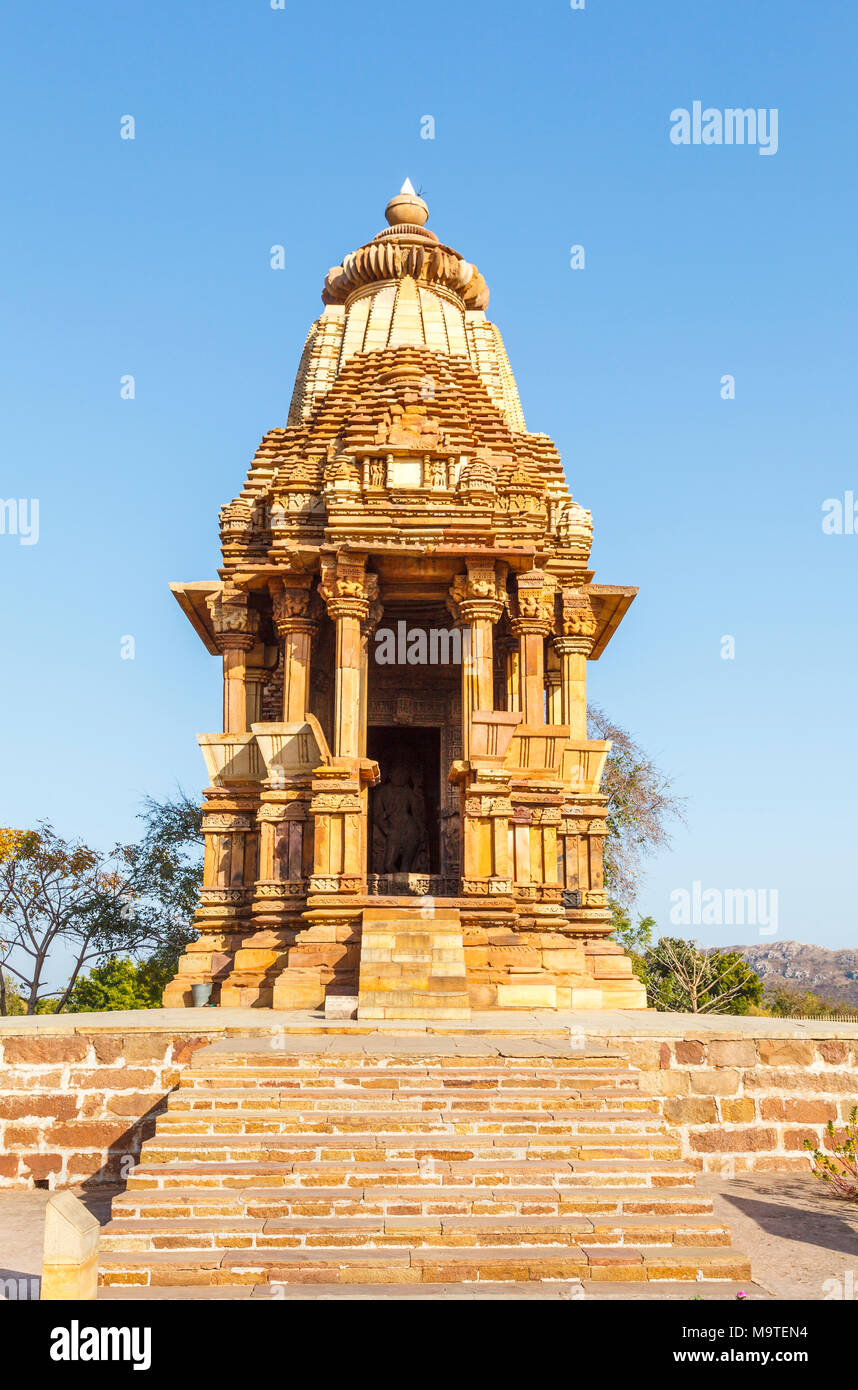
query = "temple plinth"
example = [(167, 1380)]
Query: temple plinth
[(404, 815)]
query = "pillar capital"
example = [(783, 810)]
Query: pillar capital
[(532, 605), (347, 587), (235, 624), (294, 607), (479, 595), (577, 624)]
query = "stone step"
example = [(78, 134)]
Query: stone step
[(482, 1292), (443, 1071), (477, 1173), (306, 1100), (394, 1232), (424, 1264), (405, 1147), (407, 1121), (279, 1203), (329, 1046)]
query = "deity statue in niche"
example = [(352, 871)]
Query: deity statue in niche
[(421, 857), (400, 821), (281, 851)]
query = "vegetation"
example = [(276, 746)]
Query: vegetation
[(782, 1000), (640, 808), (840, 1172), (118, 983), (60, 899), (680, 977)]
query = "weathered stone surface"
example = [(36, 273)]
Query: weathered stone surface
[(732, 1054), (788, 1052), (37, 1051)]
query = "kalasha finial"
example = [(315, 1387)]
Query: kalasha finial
[(406, 208)]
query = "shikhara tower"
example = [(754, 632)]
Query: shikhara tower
[(424, 836)]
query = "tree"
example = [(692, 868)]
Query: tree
[(682, 978), (784, 1000), (58, 894), (635, 940), (117, 983), (168, 873), (60, 897), (640, 808)]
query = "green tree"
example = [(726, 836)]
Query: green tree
[(117, 983), (634, 939), (167, 867), (682, 978)]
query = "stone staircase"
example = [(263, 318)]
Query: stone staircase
[(322, 1172), (412, 967)]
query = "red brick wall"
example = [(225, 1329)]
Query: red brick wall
[(743, 1102), (75, 1107)]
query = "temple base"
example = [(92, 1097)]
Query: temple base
[(408, 961)]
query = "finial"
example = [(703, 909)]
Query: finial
[(407, 207)]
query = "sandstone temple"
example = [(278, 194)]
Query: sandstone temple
[(404, 817)]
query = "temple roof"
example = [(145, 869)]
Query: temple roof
[(404, 288)]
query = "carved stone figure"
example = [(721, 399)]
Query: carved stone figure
[(400, 821)]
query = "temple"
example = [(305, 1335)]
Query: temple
[(404, 817)]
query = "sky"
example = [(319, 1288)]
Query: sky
[(256, 127)]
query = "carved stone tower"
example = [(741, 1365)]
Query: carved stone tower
[(404, 814)]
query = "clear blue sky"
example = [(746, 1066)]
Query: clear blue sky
[(257, 126)]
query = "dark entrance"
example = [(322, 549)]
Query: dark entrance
[(413, 756)]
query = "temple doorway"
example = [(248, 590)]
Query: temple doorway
[(403, 808)]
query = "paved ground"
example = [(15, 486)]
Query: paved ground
[(802, 1242), (621, 1023)]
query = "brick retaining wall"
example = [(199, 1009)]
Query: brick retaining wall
[(75, 1108), (78, 1098), (746, 1102)]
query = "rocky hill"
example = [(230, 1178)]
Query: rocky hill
[(832, 974)]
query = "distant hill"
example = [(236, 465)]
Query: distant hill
[(832, 974)]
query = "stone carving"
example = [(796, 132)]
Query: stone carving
[(235, 623), (400, 821)]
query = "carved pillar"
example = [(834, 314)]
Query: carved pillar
[(367, 628), (573, 648), (553, 701), (532, 616), (348, 590), (294, 618), (476, 600), (235, 625)]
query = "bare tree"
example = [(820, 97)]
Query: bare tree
[(681, 978), (640, 807)]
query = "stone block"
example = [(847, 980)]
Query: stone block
[(587, 998), (752, 1139), (714, 1083), (295, 990), (39, 1051), (738, 1112), (732, 1054), (785, 1052), (692, 1110), (70, 1264), (341, 1006), (689, 1052), (812, 1112), (528, 997)]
